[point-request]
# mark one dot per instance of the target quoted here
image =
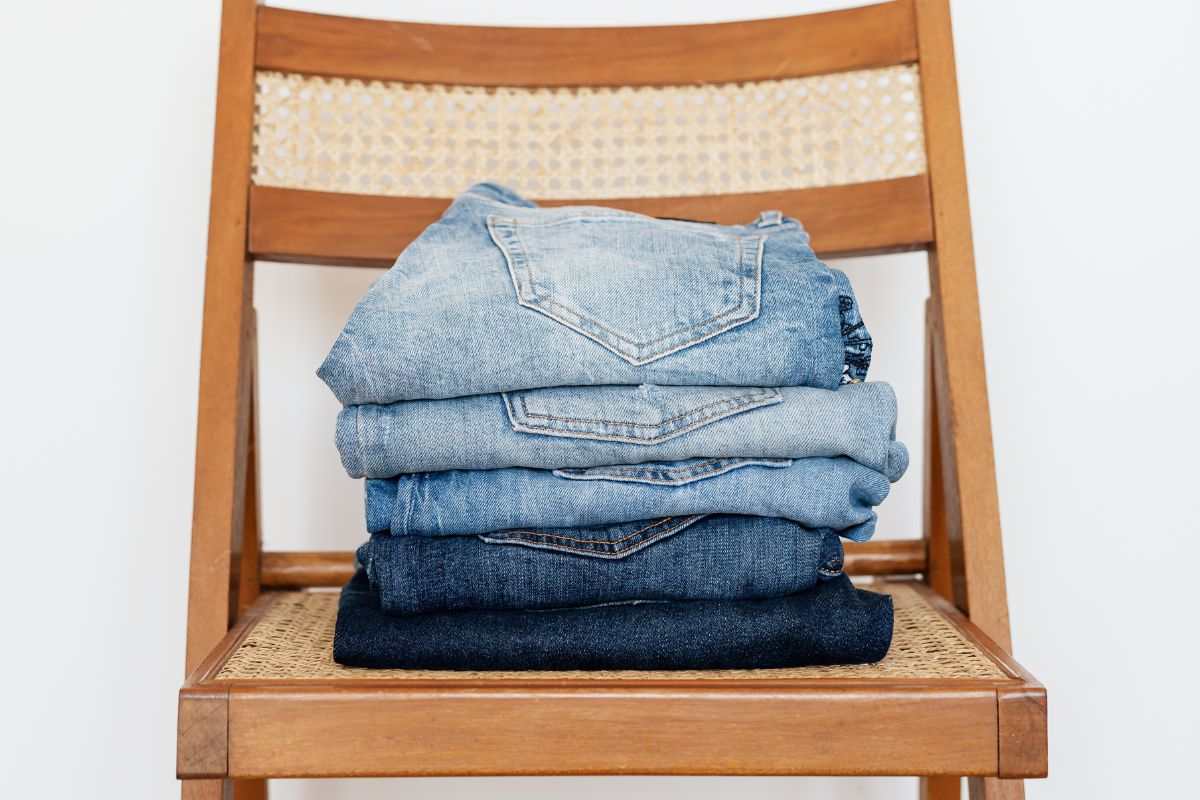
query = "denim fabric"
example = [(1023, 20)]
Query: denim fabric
[(832, 623), (673, 558), (592, 426), (834, 493), (500, 295)]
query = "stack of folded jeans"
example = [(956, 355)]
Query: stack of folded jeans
[(598, 440)]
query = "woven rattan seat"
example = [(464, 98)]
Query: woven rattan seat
[(339, 140), (294, 641), (273, 680)]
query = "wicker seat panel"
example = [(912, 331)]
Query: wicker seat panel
[(376, 138), (294, 641)]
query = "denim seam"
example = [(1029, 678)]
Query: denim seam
[(685, 476), (833, 566), (596, 550), (615, 213), (366, 370), (633, 470), (516, 251), (410, 507), (856, 351), (526, 411), (662, 521), (758, 394), (755, 402), (615, 335), (599, 546), (608, 215), (358, 436)]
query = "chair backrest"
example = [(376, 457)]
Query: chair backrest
[(338, 140)]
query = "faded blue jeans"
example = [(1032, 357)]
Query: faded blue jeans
[(672, 558), (834, 493), (500, 295), (593, 426)]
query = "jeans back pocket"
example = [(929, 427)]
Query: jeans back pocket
[(641, 287), (644, 415), (608, 542), (670, 473)]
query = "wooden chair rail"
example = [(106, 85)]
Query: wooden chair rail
[(300, 226), (310, 569), (733, 52), (359, 726)]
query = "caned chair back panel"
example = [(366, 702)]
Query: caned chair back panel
[(759, 114), (421, 140)]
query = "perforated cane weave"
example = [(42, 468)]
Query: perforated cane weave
[(294, 640), (336, 135)]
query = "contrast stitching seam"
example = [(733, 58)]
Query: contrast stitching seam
[(662, 521), (596, 546), (597, 550), (688, 473), (632, 470), (740, 400), (718, 317), (627, 217)]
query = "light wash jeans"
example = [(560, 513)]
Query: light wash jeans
[(592, 426), (500, 295), (835, 493)]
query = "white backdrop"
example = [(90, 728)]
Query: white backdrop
[(1081, 132)]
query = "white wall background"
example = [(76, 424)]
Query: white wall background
[(1081, 130)]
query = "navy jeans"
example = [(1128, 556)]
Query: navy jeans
[(671, 558), (832, 623)]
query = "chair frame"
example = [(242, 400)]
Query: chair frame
[(959, 554)]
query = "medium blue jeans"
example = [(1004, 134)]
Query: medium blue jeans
[(500, 295), (831, 623), (672, 558), (593, 426), (835, 493)]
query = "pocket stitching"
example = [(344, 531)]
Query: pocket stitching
[(541, 538), (774, 463), (769, 397), (755, 395), (738, 240), (625, 538), (517, 251)]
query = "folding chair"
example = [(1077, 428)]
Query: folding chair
[(338, 140)]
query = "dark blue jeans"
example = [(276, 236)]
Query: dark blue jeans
[(832, 623), (672, 558)]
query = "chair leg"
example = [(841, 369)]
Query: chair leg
[(207, 789), (941, 787), (996, 789), (250, 790)]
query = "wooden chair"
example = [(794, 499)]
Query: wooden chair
[(338, 140)]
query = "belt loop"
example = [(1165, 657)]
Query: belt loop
[(769, 218)]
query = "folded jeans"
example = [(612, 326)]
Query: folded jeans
[(592, 426), (835, 493), (673, 558), (501, 295), (831, 623)]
